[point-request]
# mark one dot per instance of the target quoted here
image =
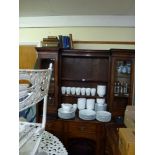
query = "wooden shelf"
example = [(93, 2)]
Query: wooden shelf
[(83, 80), (82, 96), (121, 95)]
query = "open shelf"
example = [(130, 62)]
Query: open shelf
[(85, 69), (83, 80), (81, 96), (121, 95)]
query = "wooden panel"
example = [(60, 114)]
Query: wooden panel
[(27, 56), (81, 127), (55, 126), (89, 69), (81, 146)]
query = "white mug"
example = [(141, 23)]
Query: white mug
[(88, 91), (93, 91), (83, 91), (90, 104), (63, 90), (73, 90), (81, 103), (77, 90), (68, 90)]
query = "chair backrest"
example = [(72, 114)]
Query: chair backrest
[(36, 89), (27, 60)]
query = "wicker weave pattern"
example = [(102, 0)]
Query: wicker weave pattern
[(37, 89), (31, 93)]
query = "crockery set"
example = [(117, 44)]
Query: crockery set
[(67, 110), (88, 110), (100, 90)]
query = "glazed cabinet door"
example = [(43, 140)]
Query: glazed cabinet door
[(122, 85), (44, 59)]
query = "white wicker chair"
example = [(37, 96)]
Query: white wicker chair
[(30, 94)]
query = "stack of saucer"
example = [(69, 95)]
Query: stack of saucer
[(103, 116), (100, 107), (66, 115), (100, 104)]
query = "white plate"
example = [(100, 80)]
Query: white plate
[(87, 118), (87, 114), (66, 115), (103, 116)]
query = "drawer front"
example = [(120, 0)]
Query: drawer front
[(81, 127)]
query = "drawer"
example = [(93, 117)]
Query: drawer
[(81, 127), (54, 126)]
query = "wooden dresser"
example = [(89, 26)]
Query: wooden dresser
[(87, 68)]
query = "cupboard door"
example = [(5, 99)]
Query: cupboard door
[(122, 81), (45, 57), (55, 127)]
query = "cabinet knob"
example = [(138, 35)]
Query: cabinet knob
[(83, 80), (50, 98)]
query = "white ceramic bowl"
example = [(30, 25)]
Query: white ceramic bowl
[(67, 107)]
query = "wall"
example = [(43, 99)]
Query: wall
[(35, 35)]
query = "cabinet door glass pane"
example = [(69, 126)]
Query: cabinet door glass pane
[(44, 63), (122, 77)]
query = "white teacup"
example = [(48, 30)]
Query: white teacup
[(63, 90), (77, 90), (83, 91), (90, 104), (93, 91), (88, 90), (81, 103), (73, 90), (66, 107)]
